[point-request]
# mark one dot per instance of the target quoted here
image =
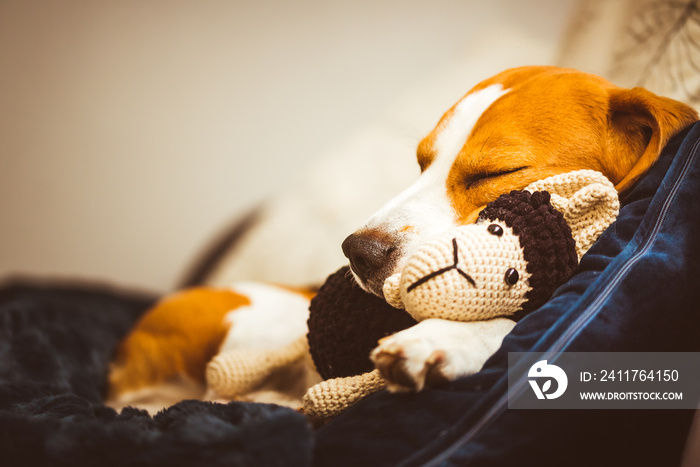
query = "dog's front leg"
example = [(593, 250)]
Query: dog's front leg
[(436, 351)]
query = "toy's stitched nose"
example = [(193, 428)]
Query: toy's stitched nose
[(369, 252)]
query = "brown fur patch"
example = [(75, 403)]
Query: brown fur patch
[(178, 336), (552, 121)]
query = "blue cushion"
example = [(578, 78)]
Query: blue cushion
[(637, 289)]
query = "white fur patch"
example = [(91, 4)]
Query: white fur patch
[(425, 205), (275, 317), (464, 348)]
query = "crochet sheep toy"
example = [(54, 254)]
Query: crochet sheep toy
[(506, 264), (523, 246)]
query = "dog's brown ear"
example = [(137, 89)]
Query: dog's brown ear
[(640, 123)]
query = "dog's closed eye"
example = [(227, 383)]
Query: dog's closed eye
[(477, 178)]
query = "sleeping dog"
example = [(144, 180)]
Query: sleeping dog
[(515, 128), (520, 126)]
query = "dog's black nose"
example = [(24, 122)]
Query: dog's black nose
[(369, 252)]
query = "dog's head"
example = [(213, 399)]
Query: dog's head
[(518, 127)]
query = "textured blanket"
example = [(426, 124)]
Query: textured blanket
[(55, 348), (637, 289)]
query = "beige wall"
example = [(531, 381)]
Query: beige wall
[(133, 131)]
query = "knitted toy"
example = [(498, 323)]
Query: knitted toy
[(522, 247), (517, 253)]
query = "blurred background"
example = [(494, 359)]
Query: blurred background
[(134, 134)]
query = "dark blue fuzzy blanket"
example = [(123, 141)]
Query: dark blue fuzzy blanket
[(55, 346)]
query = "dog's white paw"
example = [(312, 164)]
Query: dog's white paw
[(436, 351), (410, 363)]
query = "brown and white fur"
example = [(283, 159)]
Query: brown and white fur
[(517, 127)]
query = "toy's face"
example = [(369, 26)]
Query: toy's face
[(473, 272)]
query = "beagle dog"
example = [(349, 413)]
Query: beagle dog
[(520, 126)]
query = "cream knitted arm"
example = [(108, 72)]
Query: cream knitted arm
[(240, 371)]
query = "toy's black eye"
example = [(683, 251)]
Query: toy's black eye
[(512, 276), (495, 229)]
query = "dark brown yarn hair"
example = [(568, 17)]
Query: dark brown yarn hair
[(548, 245), (345, 323)]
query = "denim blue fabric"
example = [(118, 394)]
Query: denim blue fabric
[(637, 289)]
